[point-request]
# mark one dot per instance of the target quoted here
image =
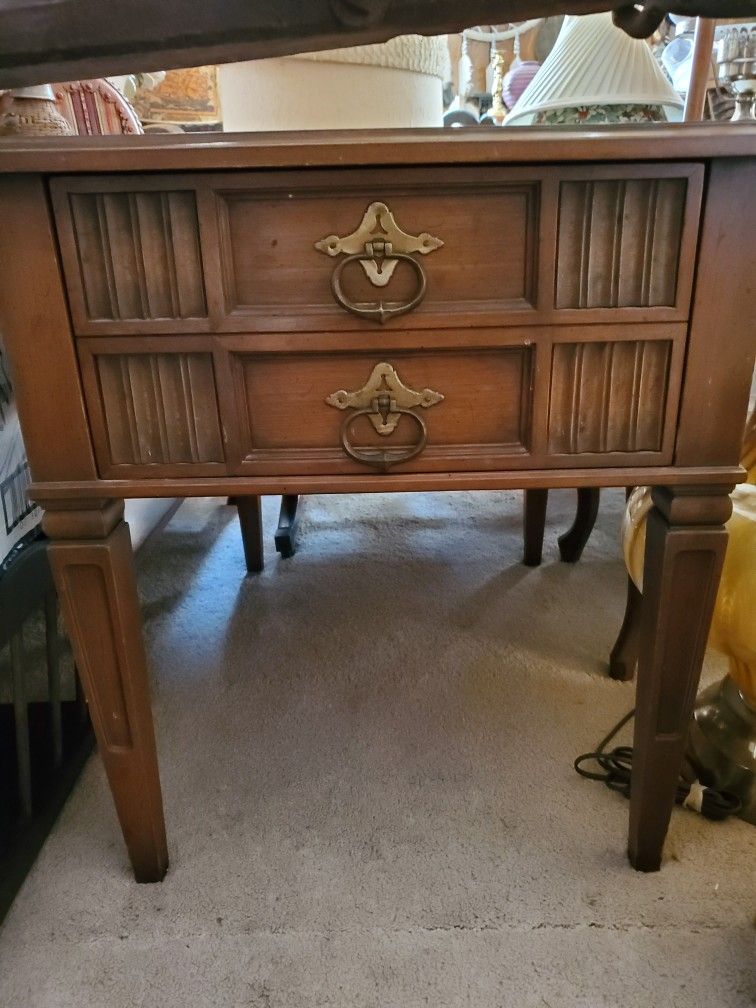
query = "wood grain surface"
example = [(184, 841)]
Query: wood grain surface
[(587, 322)]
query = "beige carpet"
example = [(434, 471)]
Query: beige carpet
[(367, 765)]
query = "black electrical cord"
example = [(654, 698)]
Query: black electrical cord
[(616, 771)]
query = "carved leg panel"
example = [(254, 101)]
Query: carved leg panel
[(685, 547), (92, 563)]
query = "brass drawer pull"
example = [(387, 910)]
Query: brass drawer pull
[(382, 458), (378, 245), (384, 400), (380, 311)]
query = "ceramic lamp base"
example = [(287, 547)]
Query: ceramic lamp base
[(722, 744), (31, 116)]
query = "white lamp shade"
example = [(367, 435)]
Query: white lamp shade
[(595, 63)]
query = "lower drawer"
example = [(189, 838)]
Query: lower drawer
[(465, 400), (411, 411)]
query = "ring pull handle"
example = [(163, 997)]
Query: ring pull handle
[(384, 399), (378, 311), (383, 458), (378, 245)]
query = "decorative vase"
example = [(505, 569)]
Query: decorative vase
[(516, 79), (32, 111)]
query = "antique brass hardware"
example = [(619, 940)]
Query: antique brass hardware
[(378, 245), (378, 310), (384, 399)]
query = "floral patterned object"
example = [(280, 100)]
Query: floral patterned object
[(579, 114)]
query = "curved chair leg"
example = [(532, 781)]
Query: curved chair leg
[(572, 543), (534, 522), (286, 533), (624, 656)]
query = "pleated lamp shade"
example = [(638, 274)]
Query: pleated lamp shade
[(595, 64)]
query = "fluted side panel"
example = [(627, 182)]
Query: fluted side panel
[(160, 408), (608, 397), (619, 242), (139, 255)]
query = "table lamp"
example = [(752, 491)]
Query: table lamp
[(596, 74)]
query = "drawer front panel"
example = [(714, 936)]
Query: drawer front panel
[(283, 422), (539, 398), (619, 242), (375, 249), (484, 258), (608, 396), (153, 414), (132, 257)]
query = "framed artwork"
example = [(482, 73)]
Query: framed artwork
[(185, 97)]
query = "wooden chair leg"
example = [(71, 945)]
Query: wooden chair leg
[(685, 547), (572, 543), (91, 559), (534, 523), (624, 655), (21, 716), (250, 523), (52, 647), (286, 533)]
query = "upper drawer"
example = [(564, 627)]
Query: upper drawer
[(355, 248), (469, 237)]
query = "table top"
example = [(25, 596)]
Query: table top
[(331, 148)]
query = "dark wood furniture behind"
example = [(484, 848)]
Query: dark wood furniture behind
[(569, 311), (571, 543), (43, 742)]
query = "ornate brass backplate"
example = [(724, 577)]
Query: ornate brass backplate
[(378, 244), (378, 225), (384, 399)]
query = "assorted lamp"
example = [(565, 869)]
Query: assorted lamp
[(596, 73), (735, 55)]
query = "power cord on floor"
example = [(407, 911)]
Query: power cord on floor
[(615, 772)]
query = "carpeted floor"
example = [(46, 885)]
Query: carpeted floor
[(367, 767)]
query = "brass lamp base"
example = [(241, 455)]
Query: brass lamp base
[(722, 744)]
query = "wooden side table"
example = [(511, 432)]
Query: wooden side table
[(377, 312)]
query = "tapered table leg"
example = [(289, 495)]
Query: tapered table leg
[(91, 558), (534, 523), (250, 522), (685, 547)]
